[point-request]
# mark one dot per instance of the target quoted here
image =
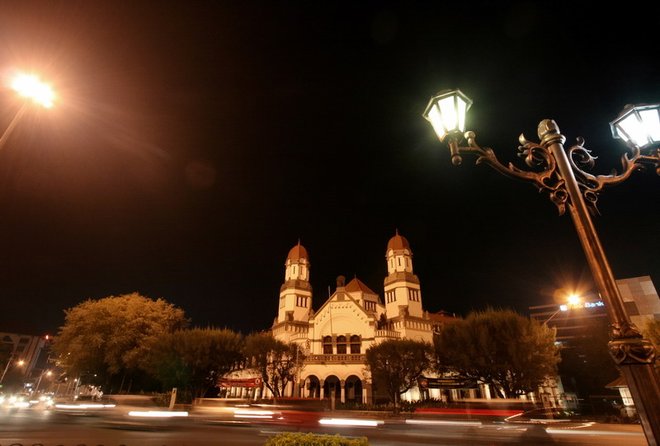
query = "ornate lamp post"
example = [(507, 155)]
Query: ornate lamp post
[(560, 172)]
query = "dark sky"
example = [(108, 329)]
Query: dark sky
[(195, 142)]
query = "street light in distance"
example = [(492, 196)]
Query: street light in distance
[(562, 173), (33, 90)]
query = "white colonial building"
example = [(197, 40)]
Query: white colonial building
[(336, 336)]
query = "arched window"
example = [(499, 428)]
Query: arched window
[(355, 345), (327, 345), (341, 345)]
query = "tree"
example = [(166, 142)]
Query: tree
[(110, 336), (396, 364), (193, 359), (512, 353), (276, 361)]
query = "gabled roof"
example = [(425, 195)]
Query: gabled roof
[(357, 285), (339, 296)]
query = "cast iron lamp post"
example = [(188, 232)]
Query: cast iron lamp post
[(560, 172)]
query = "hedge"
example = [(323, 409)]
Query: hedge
[(309, 439)]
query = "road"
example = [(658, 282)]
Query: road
[(42, 428)]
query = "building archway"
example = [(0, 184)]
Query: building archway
[(312, 387), (353, 390), (332, 388)]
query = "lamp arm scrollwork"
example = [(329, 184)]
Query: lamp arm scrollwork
[(544, 175), (591, 185)]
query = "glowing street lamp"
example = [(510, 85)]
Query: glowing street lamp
[(30, 87), (19, 363), (638, 125), (572, 301), (561, 173)]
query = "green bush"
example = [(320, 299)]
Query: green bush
[(309, 439)]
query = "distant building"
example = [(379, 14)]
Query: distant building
[(587, 370)]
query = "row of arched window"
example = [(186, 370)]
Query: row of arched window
[(343, 345)]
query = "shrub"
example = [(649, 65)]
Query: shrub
[(309, 439)]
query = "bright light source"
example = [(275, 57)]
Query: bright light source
[(156, 414), (563, 307), (446, 112), (574, 300), (346, 422), (638, 125), (31, 87)]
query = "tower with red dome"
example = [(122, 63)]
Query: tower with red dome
[(403, 296), (296, 291)]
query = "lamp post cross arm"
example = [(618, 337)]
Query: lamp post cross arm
[(544, 175)]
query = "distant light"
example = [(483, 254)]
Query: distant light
[(156, 414), (574, 300), (347, 422), (31, 87), (563, 307)]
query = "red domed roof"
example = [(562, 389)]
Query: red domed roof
[(297, 252), (398, 242)]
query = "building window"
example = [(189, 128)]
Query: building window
[(369, 306), (341, 345), (390, 297), (355, 345), (301, 301), (327, 345)]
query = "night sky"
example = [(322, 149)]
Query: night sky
[(193, 143)]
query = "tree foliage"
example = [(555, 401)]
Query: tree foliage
[(512, 353), (276, 361), (110, 335), (193, 359), (396, 364)]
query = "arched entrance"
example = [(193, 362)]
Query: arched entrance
[(353, 390), (332, 388), (312, 387)]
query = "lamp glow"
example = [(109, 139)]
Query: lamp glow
[(446, 112), (638, 125), (31, 87)]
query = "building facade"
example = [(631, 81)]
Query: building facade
[(337, 335)]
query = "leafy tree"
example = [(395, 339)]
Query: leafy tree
[(396, 364), (110, 336), (276, 361), (193, 359), (512, 353)]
